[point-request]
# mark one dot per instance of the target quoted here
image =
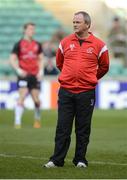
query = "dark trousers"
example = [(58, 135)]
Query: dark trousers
[(73, 106)]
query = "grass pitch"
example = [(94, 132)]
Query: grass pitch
[(24, 151)]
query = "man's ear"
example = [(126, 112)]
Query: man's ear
[(88, 26)]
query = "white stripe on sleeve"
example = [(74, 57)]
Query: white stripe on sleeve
[(102, 51), (60, 46)]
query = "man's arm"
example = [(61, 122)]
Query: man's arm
[(59, 57), (103, 63), (14, 64), (41, 66)]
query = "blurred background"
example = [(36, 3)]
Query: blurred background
[(53, 19)]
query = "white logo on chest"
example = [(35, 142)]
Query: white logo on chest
[(90, 50), (72, 46)]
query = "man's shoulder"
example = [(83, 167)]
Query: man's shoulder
[(17, 44), (98, 40), (36, 41), (67, 38)]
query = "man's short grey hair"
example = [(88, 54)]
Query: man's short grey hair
[(86, 16)]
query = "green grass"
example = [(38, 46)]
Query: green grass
[(27, 149)]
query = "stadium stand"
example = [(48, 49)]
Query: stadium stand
[(13, 15), (47, 15)]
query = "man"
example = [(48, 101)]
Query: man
[(117, 39), (26, 59), (83, 60)]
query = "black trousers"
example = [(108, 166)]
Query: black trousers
[(73, 106)]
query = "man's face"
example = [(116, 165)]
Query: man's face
[(79, 24), (30, 30)]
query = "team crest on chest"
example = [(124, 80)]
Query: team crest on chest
[(90, 50), (23, 49)]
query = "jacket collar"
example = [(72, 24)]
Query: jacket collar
[(89, 39)]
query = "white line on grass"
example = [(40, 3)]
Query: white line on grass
[(43, 158)]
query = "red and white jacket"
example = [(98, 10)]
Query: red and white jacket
[(83, 65), (28, 53)]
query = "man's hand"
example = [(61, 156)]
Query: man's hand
[(40, 74), (21, 72)]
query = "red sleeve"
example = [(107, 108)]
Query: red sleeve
[(103, 63), (59, 58)]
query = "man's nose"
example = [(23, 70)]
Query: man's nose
[(74, 24)]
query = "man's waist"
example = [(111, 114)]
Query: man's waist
[(30, 69), (77, 90)]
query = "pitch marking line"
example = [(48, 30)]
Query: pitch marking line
[(43, 158)]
